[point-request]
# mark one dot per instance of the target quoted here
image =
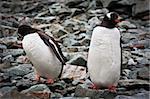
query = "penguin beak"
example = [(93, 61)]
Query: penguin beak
[(119, 19)]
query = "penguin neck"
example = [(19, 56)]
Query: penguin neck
[(108, 24)]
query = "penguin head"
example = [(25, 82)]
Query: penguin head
[(25, 30), (110, 20)]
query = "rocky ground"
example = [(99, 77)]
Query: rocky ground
[(71, 23)]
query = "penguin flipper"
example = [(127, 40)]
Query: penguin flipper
[(51, 43)]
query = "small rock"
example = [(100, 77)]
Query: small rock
[(56, 96), (13, 52), (141, 95), (94, 94), (134, 83), (78, 60), (20, 70), (8, 40), (127, 24), (2, 46), (8, 58), (22, 59), (143, 73), (93, 22), (131, 62), (40, 91), (5, 90)]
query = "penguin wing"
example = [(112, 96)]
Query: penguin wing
[(50, 42)]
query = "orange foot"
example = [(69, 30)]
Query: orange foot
[(49, 81), (112, 89), (93, 86), (37, 77)]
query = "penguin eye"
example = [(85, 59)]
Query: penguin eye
[(114, 16)]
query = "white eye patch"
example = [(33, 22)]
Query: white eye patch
[(108, 15)]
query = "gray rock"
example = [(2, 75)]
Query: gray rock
[(131, 62), (127, 24), (20, 70), (134, 83), (78, 60), (8, 40), (143, 73), (94, 94), (93, 22), (141, 95), (56, 96), (8, 58), (2, 46), (5, 90), (37, 89), (13, 52)]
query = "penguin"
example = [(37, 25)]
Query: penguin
[(104, 56), (43, 52)]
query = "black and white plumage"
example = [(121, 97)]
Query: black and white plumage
[(43, 51), (104, 58)]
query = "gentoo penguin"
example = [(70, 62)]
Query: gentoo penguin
[(104, 57), (43, 51)]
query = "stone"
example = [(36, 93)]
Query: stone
[(72, 3), (5, 90), (39, 90), (127, 25), (93, 22), (20, 70), (93, 94), (134, 83), (8, 40), (2, 46), (78, 60), (131, 62), (8, 58), (143, 73), (13, 52), (140, 95)]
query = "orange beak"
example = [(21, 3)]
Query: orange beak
[(118, 19)]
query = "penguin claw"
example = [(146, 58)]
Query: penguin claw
[(112, 89), (49, 81), (93, 86), (37, 77)]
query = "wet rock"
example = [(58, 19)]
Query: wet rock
[(143, 73), (20, 70), (13, 52)]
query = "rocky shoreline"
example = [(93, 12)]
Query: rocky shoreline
[(71, 23)]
